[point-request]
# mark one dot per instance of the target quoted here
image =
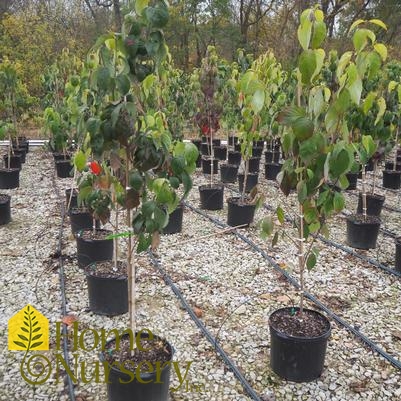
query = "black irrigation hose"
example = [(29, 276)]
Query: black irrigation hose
[(396, 363), (62, 288), (344, 248), (226, 359)]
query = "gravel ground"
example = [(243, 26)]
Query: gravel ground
[(231, 286)]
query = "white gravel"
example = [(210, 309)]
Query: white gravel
[(232, 285)]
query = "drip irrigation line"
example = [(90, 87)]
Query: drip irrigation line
[(226, 359), (70, 384), (396, 363), (343, 248)]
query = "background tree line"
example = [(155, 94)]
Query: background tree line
[(33, 32)]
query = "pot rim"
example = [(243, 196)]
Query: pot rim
[(361, 223), (145, 374), (325, 335)]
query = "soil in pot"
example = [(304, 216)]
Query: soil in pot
[(298, 344), (251, 181), (125, 368), (9, 178), (15, 161), (206, 165), (61, 156), (228, 173), (93, 246), (374, 204), (211, 196), (5, 209), (234, 157), (240, 213), (391, 179), (271, 170), (81, 219), (64, 168), (107, 287), (220, 152), (398, 254), (353, 181), (362, 232), (174, 224)]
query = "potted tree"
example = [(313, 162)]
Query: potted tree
[(211, 195), (317, 157), (150, 169), (9, 175)]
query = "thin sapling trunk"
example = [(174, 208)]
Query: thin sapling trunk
[(395, 154), (364, 202), (245, 180), (301, 257)]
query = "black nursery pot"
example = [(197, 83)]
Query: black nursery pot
[(353, 181), (20, 152), (61, 156), (154, 387), (374, 204), (362, 234), (81, 219), (228, 173), (174, 224), (398, 254), (298, 359), (254, 163), (251, 181), (93, 250), (232, 140), (211, 197), (71, 200), (15, 161), (63, 168), (257, 151), (239, 214), (272, 156), (390, 166), (207, 166), (391, 179), (5, 209), (204, 149), (9, 178), (234, 157), (271, 170), (220, 152), (107, 295), (197, 143)]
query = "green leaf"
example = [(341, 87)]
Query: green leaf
[(339, 163), (338, 201), (378, 23), (280, 215), (319, 34), (304, 31), (267, 226), (123, 84), (369, 145), (275, 239), (302, 191), (382, 108), (356, 23), (80, 160), (307, 65), (360, 39), (103, 78), (258, 100), (311, 261), (140, 5), (382, 50), (368, 103)]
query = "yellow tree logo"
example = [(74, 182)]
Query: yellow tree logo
[(28, 330)]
